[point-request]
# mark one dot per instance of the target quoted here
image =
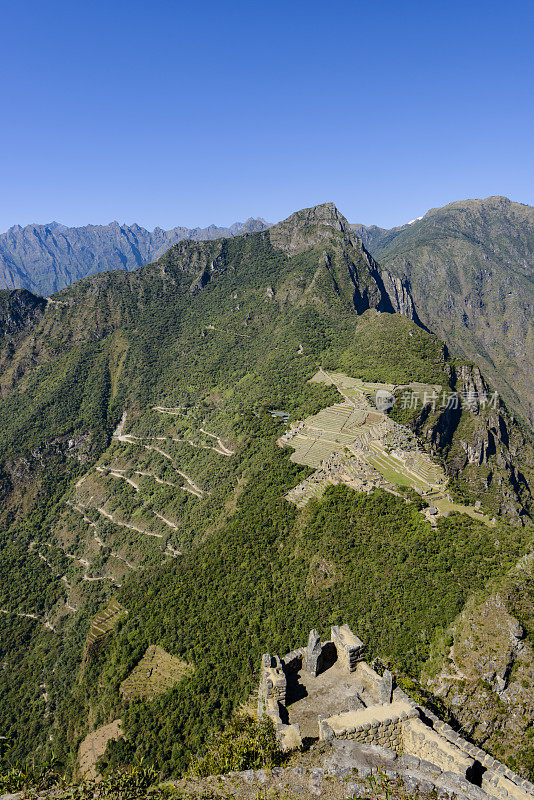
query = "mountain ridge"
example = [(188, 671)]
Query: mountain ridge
[(47, 257), (449, 270), (470, 270), (139, 466)]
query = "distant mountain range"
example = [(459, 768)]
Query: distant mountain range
[(46, 258), (464, 271)]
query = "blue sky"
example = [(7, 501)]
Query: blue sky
[(172, 113)]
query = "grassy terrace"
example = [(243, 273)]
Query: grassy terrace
[(355, 426), (104, 622), (154, 674)]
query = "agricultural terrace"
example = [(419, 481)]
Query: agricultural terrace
[(154, 674), (104, 622), (353, 442)]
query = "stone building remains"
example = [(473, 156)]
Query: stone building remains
[(327, 691)]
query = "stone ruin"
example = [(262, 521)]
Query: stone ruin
[(349, 648), (326, 691)]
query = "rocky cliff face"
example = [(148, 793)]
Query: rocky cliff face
[(45, 258), (308, 228), (483, 670), (399, 293), (485, 453), (325, 226), (470, 268), (21, 312), (19, 309)]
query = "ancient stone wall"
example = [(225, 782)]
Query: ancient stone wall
[(370, 680), (372, 725), (349, 648), (383, 716), (422, 741), (497, 779), (294, 659), (273, 682), (272, 697), (312, 655)]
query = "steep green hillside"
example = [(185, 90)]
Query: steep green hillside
[(470, 269), (45, 258), (140, 465)]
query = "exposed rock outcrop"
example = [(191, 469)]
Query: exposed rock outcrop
[(324, 225), (399, 292), (308, 228), (486, 453), (18, 309), (486, 677)]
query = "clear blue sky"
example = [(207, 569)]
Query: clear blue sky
[(168, 113)]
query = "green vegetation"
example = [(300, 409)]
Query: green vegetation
[(154, 674), (225, 352), (126, 783), (102, 626), (252, 585), (389, 348), (245, 743)]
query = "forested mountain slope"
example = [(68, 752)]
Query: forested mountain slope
[(464, 270), (45, 258), (470, 268), (144, 492)]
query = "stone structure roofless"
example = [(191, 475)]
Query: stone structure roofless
[(329, 682)]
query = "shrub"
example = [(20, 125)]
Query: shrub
[(245, 743)]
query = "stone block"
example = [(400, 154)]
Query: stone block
[(312, 653), (348, 646), (426, 787), (355, 703), (428, 768), (325, 731), (386, 687), (460, 785), (411, 784)]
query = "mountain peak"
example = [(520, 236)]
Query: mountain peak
[(308, 227), (323, 213)]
